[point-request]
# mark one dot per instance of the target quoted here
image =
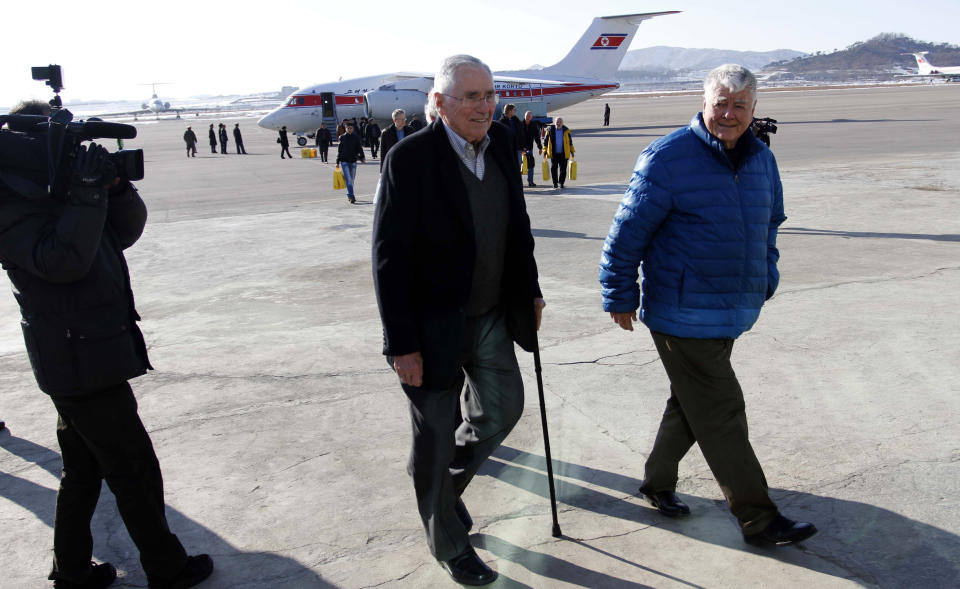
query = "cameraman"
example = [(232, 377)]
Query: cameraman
[(64, 256)]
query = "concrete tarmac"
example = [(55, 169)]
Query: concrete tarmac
[(283, 436)]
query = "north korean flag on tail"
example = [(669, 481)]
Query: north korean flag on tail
[(608, 41)]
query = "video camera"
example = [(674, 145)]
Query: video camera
[(37, 152), (763, 128)]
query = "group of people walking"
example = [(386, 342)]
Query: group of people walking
[(554, 142), (456, 361), (452, 305), (219, 135)]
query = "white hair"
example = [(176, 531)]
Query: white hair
[(731, 76), (446, 76), (430, 110)]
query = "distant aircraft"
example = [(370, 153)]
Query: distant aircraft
[(155, 105), (588, 70), (925, 69)]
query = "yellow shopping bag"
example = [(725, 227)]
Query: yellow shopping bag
[(546, 170), (523, 164), (573, 169), (339, 182)]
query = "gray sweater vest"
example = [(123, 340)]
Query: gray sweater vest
[(489, 206)]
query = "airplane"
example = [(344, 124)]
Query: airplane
[(155, 105), (925, 69), (588, 70)]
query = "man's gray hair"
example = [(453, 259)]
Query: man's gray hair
[(396, 112), (430, 110), (446, 76), (733, 77)]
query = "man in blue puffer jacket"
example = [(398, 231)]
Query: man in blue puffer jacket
[(700, 217)]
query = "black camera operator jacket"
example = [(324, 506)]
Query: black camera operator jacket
[(65, 260)]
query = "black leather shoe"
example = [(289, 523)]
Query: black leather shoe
[(463, 515), (667, 503), (468, 569), (101, 576), (531, 185), (196, 570), (780, 532)]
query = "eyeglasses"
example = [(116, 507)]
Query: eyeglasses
[(476, 99)]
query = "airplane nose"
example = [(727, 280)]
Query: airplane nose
[(270, 121)]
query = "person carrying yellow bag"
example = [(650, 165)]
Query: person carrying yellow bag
[(339, 182), (559, 148)]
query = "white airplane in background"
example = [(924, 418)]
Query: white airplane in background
[(925, 69), (155, 105), (588, 70)]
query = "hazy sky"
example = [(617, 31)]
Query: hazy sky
[(107, 48)]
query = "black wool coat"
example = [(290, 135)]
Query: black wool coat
[(424, 250)]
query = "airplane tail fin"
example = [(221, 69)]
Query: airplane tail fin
[(602, 47), (923, 66)]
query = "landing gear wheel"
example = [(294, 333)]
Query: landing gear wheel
[(301, 141)]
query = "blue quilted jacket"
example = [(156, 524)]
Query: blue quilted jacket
[(703, 233)]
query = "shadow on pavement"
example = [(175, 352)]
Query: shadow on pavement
[(557, 234), (616, 190), (837, 233), (869, 544), (551, 567), (232, 567)]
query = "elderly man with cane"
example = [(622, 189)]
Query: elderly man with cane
[(456, 284)]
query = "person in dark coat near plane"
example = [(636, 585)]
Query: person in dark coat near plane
[(223, 139), (191, 139), (324, 139), (213, 139), (394, 134), (284, 143), (372, 133), (238, 139)]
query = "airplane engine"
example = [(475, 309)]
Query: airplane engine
[(166, 106), (144, 106), (381, 103)]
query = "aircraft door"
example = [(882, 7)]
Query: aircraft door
[(327, 101)]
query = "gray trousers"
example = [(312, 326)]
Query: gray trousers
[(706, 406), (457, 428)]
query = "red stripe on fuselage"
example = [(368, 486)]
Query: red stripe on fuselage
[(313, 100)]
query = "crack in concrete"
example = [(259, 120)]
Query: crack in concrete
[(600, 361), (397, 579), (620, 535), (877, 280), (299, 462)]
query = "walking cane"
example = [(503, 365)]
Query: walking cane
[(546, 435)]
